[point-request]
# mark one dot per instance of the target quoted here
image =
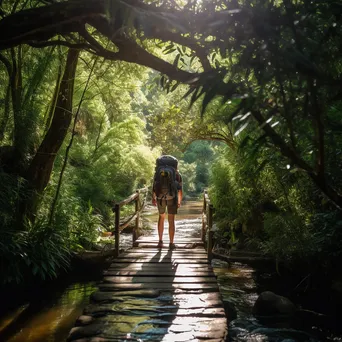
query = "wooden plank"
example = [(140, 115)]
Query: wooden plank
[(172, 279), (140, 293), (157, 286), (159, 268), (162, 256), (158, 258), (157, 265), (162, 272), (155, 311), (189, 300), (155, 239), (201, 322), (147, 259), (179, 245), (165, 260), (153, 250)]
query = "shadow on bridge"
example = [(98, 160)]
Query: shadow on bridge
[(162, 309)]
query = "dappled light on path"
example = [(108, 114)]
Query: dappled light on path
[(151, 294)]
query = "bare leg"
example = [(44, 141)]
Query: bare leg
[(161, 226), (171, 218)]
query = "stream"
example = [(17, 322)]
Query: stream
[(50, 312)]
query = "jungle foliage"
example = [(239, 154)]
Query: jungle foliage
[(246, 93)]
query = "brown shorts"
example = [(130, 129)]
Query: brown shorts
[(171, 206)]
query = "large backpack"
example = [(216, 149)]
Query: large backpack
[(165, 183)]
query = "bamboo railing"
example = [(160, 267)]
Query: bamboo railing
[(207, 224), (139, 205)]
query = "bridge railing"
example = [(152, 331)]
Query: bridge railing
[(139, 198), (207, 224)]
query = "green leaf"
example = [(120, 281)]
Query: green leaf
[(35, 269), (196, 95), (191, 90), (174, 87), (241, 129), (191, 60), (170, 51), (175, 63), (209, 96), (168, 47), (162, 81)]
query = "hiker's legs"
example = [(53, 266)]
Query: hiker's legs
[(161, 226), (172, 211), (171, 218), (161, 219)]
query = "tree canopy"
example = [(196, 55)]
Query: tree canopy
[(77, 95), (243, 49)]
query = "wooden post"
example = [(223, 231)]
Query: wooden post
[(210, 232), (204, 214), (117, 229), (137, 219)]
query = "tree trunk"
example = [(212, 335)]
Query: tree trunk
[(6, 113), (54, 99), (17, 92), (39, 171)]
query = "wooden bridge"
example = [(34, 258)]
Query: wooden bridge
[(151, 294)]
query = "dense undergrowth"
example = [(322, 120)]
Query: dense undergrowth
[(278, 211)]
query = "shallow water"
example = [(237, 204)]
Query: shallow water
[(48, 317), (240, 285)]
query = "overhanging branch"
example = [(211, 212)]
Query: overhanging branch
[(78, 46), (45, 22)]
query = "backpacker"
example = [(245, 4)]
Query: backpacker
[(165, 183)]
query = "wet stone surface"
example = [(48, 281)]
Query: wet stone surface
[(239, 291), (160, 316)]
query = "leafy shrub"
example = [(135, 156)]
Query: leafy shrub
[(40, 251), (86, 227), (12, 192), (80, 223), (289, 238)]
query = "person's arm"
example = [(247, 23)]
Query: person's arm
[(154, 198), (180, 190), (180, 196)]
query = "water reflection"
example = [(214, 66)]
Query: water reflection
[(47, 319)]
